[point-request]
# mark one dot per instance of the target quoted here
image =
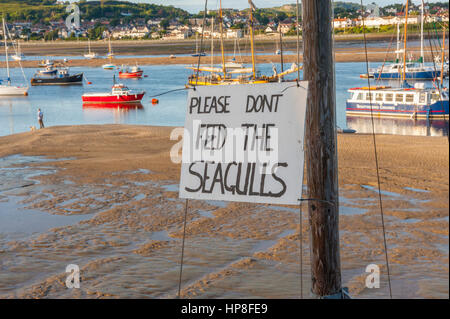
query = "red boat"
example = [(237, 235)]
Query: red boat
[(119, 94), (130, 73)]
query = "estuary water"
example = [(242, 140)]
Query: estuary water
[(62, 105)]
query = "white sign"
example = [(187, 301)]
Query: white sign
[(244, 143)]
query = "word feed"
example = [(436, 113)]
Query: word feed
[(244, 143)]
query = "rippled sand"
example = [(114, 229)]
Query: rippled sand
[(108, 202)]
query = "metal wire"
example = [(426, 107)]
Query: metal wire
[(376, 157), (182, 248)]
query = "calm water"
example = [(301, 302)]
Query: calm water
[(62, 105)]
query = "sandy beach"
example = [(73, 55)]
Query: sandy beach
[(120, 182), (159, 50)]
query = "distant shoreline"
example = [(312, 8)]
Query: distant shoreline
[(341, 55), (177, 46)]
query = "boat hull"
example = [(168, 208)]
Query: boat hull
[(125, 106), (6, 90), (108, 99), (130, 75), (436, 110), (420, 75), (75, 79)]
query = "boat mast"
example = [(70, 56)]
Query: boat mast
[(221, 39), (443, 57), (281, 49), (404, 47), (252, 7), (398, 42), (212, 42), (6, 50), (421, 33)]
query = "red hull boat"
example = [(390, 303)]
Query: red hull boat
[(118, 95), (134, 72)]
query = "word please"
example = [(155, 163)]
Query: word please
[(220, 104)]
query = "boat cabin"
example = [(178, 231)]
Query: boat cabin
[(386, 95)]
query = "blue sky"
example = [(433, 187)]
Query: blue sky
[(195, 6)]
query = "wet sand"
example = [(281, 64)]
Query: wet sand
[(144, 48), (120, 181)]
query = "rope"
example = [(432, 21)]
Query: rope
[(182, 248), (170, 91), (376, 158)]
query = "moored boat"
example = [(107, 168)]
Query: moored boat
[(408, 102), (119, 94), (133, 72), (8, 89), (61, 77)]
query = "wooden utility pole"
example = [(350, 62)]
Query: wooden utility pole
[(321, 158)]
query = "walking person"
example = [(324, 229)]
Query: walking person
[(41, 118)]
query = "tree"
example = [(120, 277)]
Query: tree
[(165, 23)]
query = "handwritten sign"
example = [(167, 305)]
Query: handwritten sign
[(244, 143)]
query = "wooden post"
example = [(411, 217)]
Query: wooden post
[(321, 158)]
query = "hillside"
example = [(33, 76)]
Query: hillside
[(43, 11)]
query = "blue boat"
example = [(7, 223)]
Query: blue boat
[(413, 71), (405, 102)]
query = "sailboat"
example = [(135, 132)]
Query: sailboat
[(243, 75), (232, 64), (110, 65), (90, 54), (19, 55), (412, 70), (196, 54), (8, 89)]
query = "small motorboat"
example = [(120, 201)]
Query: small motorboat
[(50, 70), (129, 73), (62, 77), (119, 94), (109, 66), (45, 63)]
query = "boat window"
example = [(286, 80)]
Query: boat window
[(409, 98), (360, 96), (423, 98), (369, 96), (435, 96), (379, 97), (389, 97), (398, 97)]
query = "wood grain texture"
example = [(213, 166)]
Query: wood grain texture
[(321, 158)]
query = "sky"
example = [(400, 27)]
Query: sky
[(194, 6)]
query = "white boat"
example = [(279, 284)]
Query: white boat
[(90, 54), (19, 55), (110, 65), (8, 89)]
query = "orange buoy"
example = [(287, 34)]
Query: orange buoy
[(155, 101), (89, 82)]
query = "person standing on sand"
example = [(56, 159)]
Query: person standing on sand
[(41, 118)]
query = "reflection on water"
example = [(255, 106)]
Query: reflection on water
[(420, 127), (117, 113)]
